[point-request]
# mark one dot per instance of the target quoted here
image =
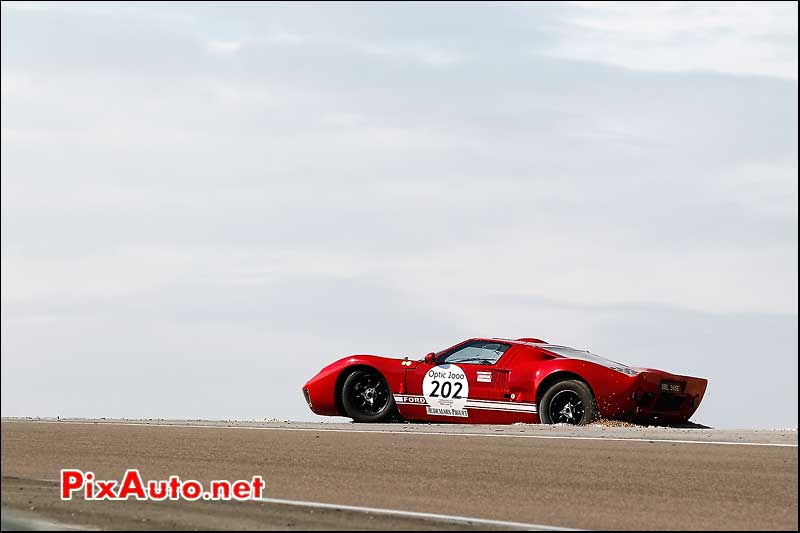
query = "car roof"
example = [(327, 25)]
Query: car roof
[(527, 341)]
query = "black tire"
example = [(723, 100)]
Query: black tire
[(366, 396), (568, 402)]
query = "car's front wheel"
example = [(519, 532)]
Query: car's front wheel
[(366, 396), (568, 402)]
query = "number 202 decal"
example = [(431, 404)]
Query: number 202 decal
[(445, 390)]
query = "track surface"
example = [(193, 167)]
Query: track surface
[(589, 478)]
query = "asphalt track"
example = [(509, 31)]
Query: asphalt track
[(400, 476)]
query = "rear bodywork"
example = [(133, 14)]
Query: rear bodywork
[(510, 390)]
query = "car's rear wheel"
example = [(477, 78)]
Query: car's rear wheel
[(366, 396), (568, 402)]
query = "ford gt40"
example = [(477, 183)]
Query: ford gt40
[(502, 381)]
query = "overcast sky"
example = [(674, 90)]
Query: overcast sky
[(203, 204)]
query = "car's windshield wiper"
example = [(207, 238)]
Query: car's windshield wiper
[(472, 359)]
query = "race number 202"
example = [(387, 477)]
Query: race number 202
[(447, 389)]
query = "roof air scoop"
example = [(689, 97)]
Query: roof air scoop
[(531, 339)]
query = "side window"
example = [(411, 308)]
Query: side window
[(478, 353)]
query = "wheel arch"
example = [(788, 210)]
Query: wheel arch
[(556, 377), (337, 391)]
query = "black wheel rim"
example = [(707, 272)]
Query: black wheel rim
[(566, 407), (368, 393)]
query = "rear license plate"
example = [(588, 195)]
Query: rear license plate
[(672, 386)]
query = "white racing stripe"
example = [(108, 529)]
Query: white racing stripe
[(451, 519), (411, 432), (472, 403), (502, 406)]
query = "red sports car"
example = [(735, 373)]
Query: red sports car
[(501, 381)]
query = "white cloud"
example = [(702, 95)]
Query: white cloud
[(423, 53), (224, 46), (24, 5), (732, 37)]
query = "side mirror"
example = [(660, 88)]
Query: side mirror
[(429, 358)]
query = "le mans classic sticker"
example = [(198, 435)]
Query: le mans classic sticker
[(446, 390)]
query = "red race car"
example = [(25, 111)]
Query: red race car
[(501, 381)]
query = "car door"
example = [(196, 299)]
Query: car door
[(466, 383)]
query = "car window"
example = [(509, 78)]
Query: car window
[(478, 353)]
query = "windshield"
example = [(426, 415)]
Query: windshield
[(478, 352)]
